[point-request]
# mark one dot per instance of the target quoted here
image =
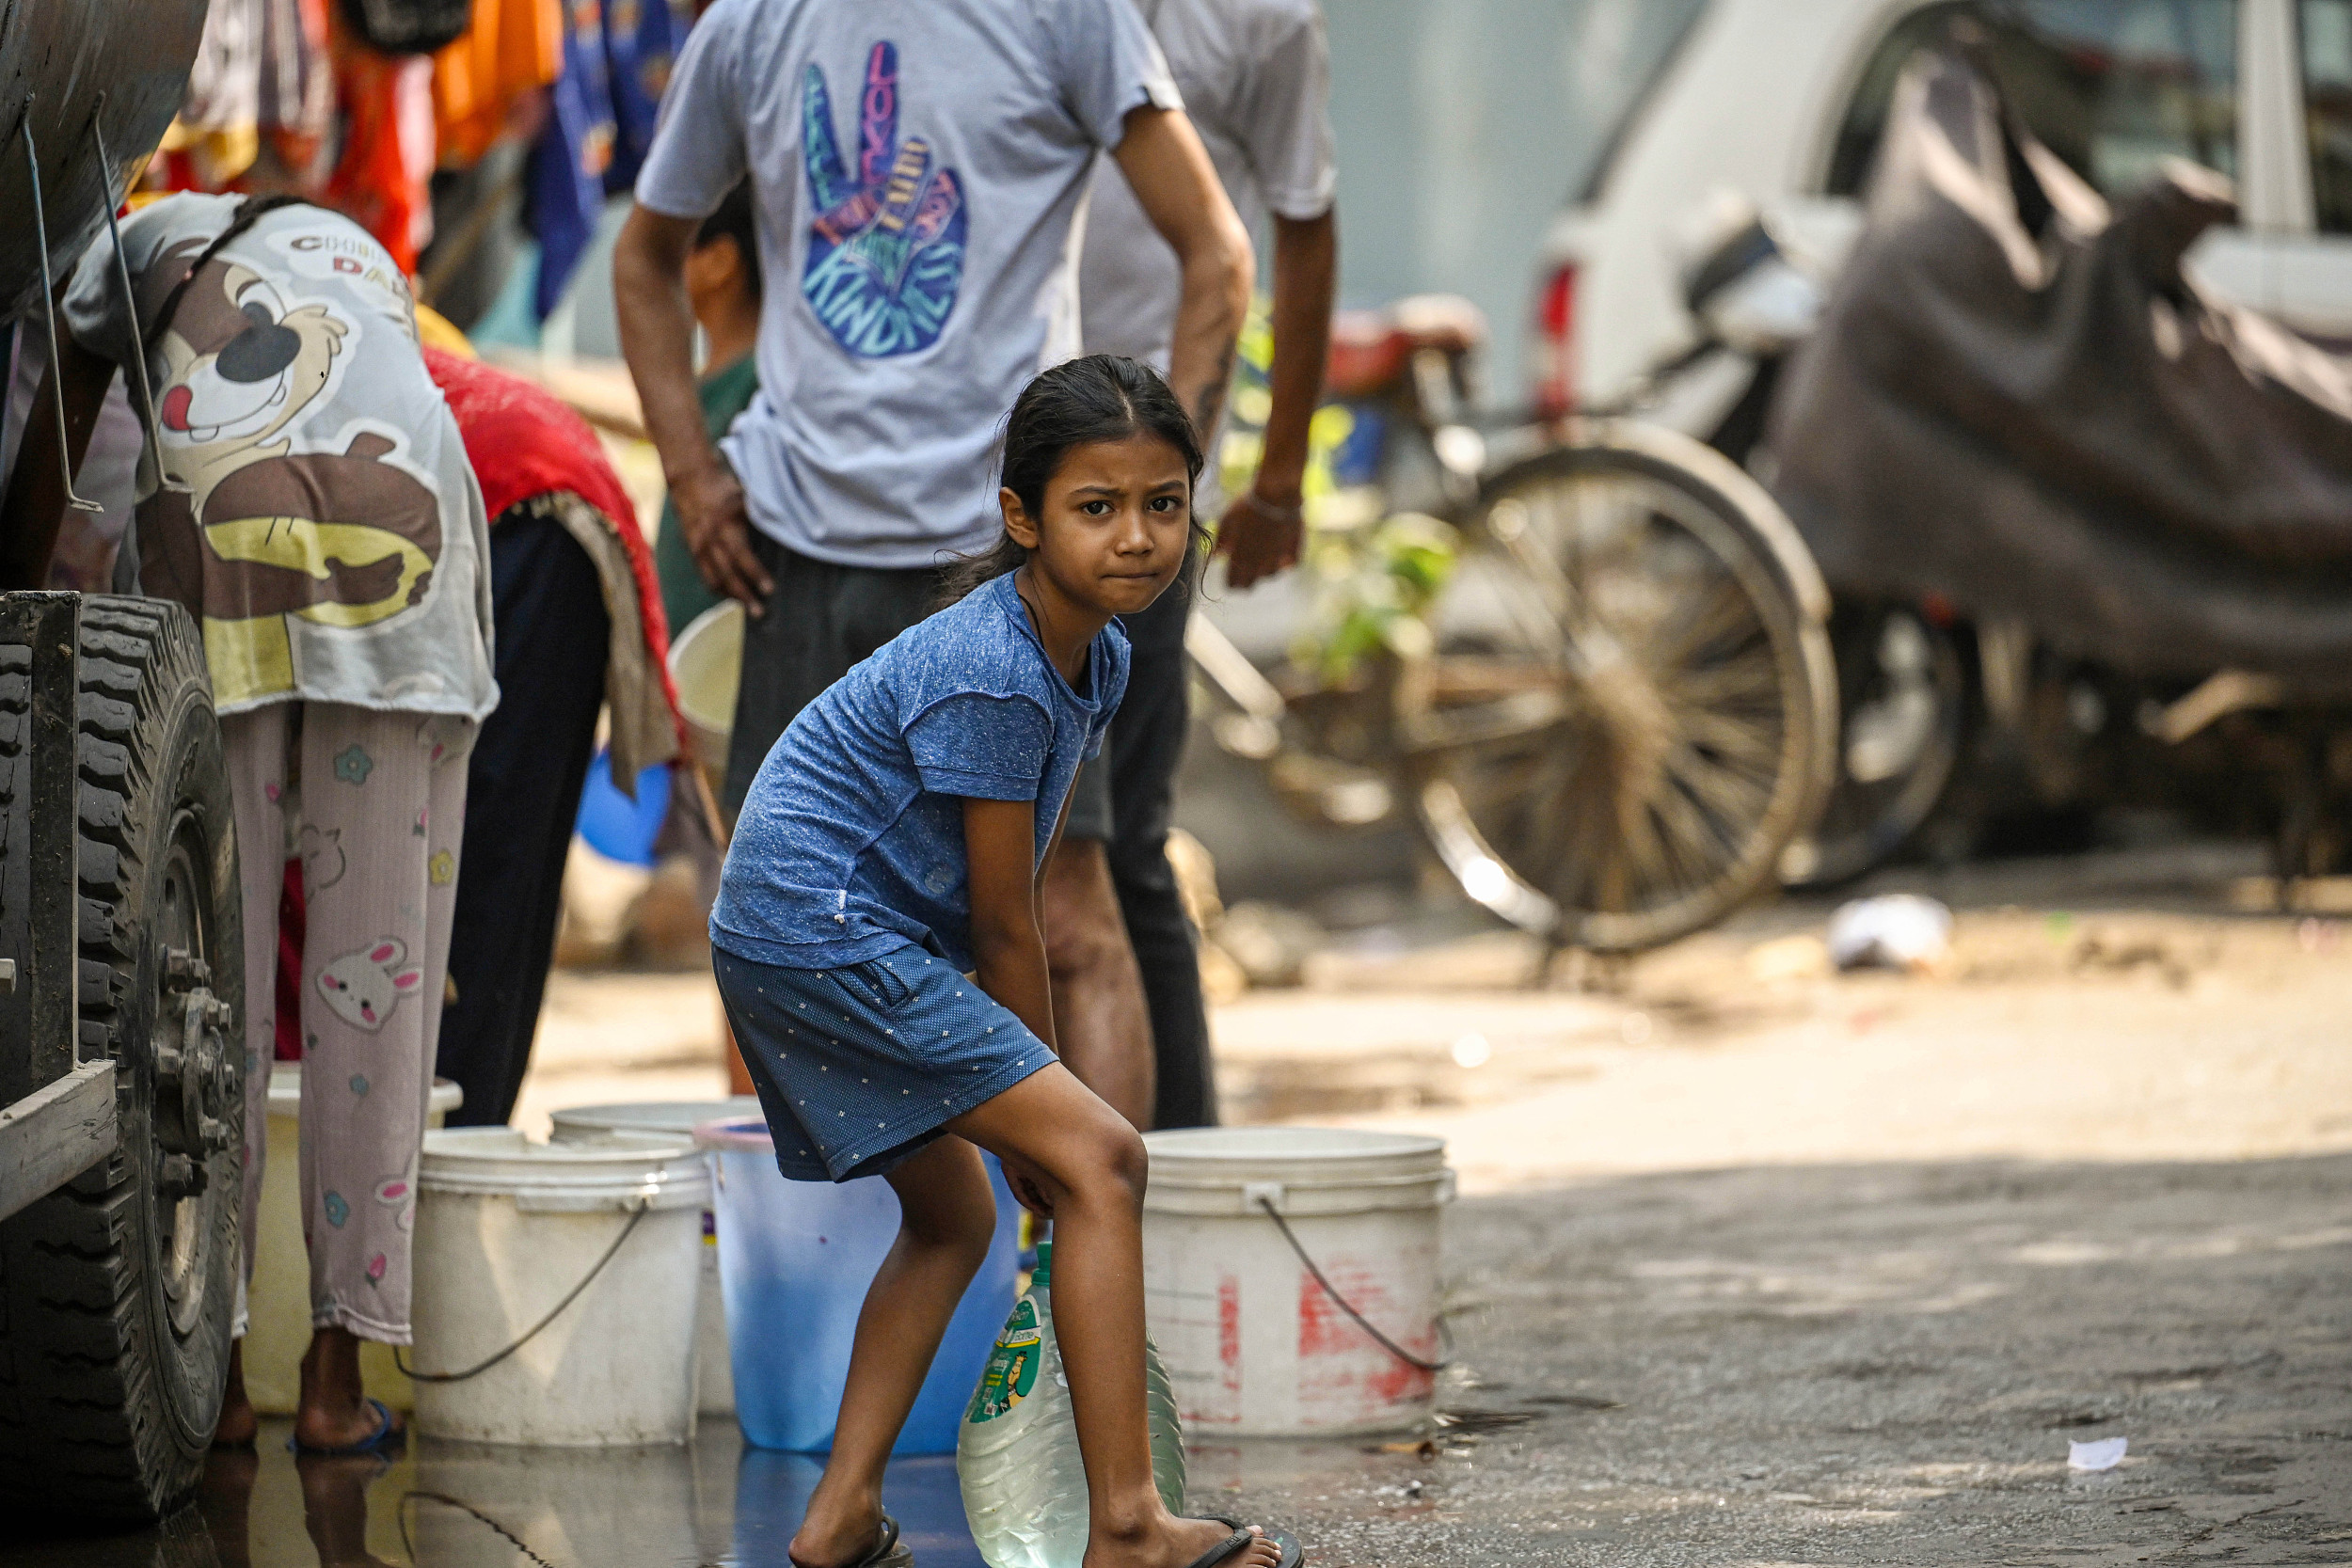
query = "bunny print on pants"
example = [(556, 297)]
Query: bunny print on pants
[(364, 987)]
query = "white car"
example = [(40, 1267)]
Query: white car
[(1781, 102)]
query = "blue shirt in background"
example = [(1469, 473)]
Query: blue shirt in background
[(852, 839)]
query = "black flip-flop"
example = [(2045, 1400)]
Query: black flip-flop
[(384, 1438), (1294, 1555), (889, 1552)]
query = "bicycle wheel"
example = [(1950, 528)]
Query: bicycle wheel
[(1631, 708), (1903, 693)]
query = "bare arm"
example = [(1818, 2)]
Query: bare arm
[(1008, 936), (658, 339), (35, 504), (1262, 529), (1177, 189)]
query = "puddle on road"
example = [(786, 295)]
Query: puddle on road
[(714, 1504), (461, 1505)]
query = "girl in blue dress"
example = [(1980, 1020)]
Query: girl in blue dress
[(878, 946)]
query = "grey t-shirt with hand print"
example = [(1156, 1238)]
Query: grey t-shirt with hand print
[(917, 165)]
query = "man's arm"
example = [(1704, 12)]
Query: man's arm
[(35, 504), (1262, 528), (1177, 186), (658, 340)]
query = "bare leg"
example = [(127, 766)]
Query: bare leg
[(226, 1502), (1101, 1020), (334, 1412), (238, 1422), (739, 1076), (1063, 1146), (335, 1508), (946, 1217)]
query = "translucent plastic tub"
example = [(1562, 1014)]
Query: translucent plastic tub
[(713, 1379), (596, 1240), (795, 1259)]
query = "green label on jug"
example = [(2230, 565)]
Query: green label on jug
[(1012, 1366)]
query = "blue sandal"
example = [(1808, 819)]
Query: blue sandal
[(384, 1437)]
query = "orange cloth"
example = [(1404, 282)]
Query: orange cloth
[(383, 181), (513, 48)]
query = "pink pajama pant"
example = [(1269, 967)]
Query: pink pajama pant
[(377, 816)]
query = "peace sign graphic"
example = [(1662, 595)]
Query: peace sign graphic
[(885, 251)]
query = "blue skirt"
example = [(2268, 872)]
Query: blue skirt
[(859, 1067)]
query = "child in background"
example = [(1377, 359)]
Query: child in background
[(890, 843)]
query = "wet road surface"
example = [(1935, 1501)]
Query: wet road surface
[(1832, 1364)]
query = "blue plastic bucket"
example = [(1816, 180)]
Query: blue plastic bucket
[(795, 1259), (615, 826)]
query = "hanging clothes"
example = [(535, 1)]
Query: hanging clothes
[(297, 83), (572, 154), (261, 90), (617, 55), (514, 49), (217, 132), (383, 179), (642, 40)]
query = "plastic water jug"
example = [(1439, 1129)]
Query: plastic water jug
[(1025, 1486)]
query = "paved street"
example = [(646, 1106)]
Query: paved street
[(1757, 1264), (1850, 1259), (1878, 1363)]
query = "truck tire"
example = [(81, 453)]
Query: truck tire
[(117, 1289)]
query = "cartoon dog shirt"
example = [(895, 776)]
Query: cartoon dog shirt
[(317, 513)]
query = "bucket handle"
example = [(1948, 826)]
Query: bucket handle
[(645, 1207), (1266, 1201)]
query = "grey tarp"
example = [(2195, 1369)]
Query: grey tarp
[(2016, 401)]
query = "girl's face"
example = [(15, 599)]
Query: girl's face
[(1116, 524)]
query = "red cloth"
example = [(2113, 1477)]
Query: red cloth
[(524, 441), (293, 921), (383, 181)]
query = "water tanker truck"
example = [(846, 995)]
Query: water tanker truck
[(123, 1062)]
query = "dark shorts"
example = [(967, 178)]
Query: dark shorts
[(860, 1067), (821, 620)]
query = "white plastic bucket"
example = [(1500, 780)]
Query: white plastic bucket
[(506, 1228), (277, 1304), (714, 1376), (1255, 1346), (706, 667)]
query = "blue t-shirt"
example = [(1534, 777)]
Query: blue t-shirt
[(852, 840)]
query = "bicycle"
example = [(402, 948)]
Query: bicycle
[(1620, 706)]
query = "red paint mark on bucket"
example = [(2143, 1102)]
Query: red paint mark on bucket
[(1228, 1335), (1344, 1374)]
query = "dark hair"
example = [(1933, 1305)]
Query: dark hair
[(734, 219), (1102, 397)]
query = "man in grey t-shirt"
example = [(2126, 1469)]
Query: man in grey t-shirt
[(1256, 79), (918, 166)]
